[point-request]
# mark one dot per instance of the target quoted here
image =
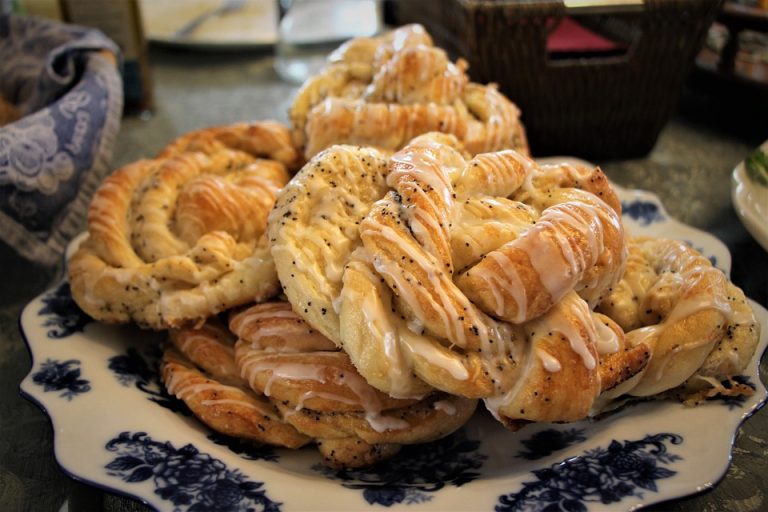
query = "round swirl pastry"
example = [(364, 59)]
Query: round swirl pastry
[(176, 239), (699, 327), (320, 393), (263, 139), (384, 91), (465, 275)]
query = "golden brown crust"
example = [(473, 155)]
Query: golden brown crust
[(263, 139), (320, 393), (174, 240), (314, 226), (698, 326), (384, 91), (230, 410), (287, 385), (210, 347), (396, 306)]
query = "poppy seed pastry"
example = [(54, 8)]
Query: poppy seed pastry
[(396, 301), (176, 239), (386, 90), (700, 329), (268, 377), (200, 370)]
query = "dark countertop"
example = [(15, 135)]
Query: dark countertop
[(689, 169)]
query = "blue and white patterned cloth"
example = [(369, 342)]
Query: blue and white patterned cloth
[(54, 157)]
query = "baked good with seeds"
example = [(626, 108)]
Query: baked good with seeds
[(699, 326), (395, 301), (271, 379), (384, 91), (176, 239)]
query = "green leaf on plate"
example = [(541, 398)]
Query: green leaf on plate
[(757, 167)]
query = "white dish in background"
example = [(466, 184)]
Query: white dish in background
[(253, 25), (114, 428), (750, 200)]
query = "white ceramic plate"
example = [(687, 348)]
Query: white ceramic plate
[(115, 428), (253, 25), (750, 200)]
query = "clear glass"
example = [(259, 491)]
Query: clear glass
[(310, 29)]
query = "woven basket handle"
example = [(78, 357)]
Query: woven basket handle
[(602, 6)]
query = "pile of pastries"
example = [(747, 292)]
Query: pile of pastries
[(363, 278)]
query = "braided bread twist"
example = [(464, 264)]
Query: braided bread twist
[(200, 370), (384, 91), (180, 237), (700, 329), (321, 393), (413, 299)]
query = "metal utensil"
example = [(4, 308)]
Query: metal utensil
[(225, 7)]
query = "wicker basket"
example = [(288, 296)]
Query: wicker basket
[(598, 106)]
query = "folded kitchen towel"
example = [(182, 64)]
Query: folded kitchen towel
[(64, 82)]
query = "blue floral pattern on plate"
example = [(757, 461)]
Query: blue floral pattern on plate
[(415, 472), (602, 475), (62, 313), (62, 376), (132, 368), (645, 212), (191, 480), (494, 469)]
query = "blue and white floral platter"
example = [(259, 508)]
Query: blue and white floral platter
[(115, 427)]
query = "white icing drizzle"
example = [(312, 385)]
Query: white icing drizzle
[(550, 362), (440, 283), (553, 257), (336, 304), (422, 164), (581, 334), (742, 316), (246, 325), (378, 323), (559, 265), (252, 364), (193, 338), (445, 406), (512, 284), (381, 423), (419, 346), (607, 340), (496, 402)]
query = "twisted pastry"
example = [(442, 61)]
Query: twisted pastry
[(403, 306), (384, 91), (700, 329), (320, 393), (263, 139), (200, 370), (315, 225), (179, 238)]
